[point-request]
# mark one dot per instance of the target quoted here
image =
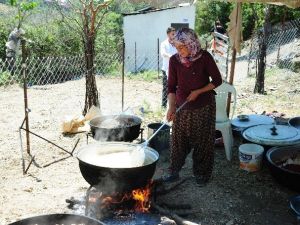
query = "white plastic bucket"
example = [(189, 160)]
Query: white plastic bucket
[(251, 157)]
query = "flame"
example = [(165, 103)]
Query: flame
[(113, 200), (142, 197)]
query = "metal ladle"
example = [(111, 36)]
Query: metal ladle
[(156, 132)]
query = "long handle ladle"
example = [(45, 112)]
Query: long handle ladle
[(156, 132)]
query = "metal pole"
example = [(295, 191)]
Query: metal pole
[(46, 140), (31, 161), (157, 57), (135, 67), (21, 148), (123, 72), (23, 44)]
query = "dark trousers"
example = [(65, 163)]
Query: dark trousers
[(164, 98), (194, 129)]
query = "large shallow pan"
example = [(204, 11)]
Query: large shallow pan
[(112, 179), (127, 130), (53, 219), (286, 175)]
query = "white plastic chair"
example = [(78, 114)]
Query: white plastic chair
[(223, 123)]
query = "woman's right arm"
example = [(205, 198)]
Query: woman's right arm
[(172, 107), (172, 84)]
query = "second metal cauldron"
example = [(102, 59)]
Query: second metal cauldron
[(116, 179), (128, 128)]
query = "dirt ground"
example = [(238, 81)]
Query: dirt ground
[(232, 197)]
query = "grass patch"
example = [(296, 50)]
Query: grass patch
[(147, 75), (283, 94)]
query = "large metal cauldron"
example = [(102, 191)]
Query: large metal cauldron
[(277, 161), (111, 179), (53, 219), (128, 128)]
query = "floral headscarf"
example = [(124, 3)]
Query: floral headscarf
[(189, 39)]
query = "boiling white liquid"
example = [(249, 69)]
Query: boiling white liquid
[(113, 157), (110, 123)]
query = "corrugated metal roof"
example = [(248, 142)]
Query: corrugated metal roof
[(149, 11)]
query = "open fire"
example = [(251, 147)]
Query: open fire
[(137, 201), (106, 204), (129, 208)]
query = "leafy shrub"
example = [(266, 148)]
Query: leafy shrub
[(5, 78), (4, 32)]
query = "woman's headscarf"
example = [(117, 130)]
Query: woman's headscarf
[(189, 39)]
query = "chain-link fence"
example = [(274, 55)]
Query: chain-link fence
[(41, 71), (55, 70), (281, 51), (281, 48), (56, 90), (57, 84)]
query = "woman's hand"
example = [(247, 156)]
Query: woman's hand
[(193, 95), (171, 113)]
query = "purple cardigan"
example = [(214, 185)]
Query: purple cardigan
[(182, 80)]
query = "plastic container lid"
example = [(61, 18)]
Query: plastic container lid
[(278, 135), (251, 149), (252, 121)]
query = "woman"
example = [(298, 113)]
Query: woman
[(189, 76)]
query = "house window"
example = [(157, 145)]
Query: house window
[(177, 26)]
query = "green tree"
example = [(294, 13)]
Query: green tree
[(253, 17), (52, 39), (4, 32), (86, 18), (207, 12), (24, 9), (110, 36)]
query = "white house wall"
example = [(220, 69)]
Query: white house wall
[(145, 30)]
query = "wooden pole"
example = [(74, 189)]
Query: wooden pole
[(23, 44), (231, 76), (158, 58), (232, 67), (233, 59), (123, 72)]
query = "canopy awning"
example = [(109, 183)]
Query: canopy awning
[(289, 3)]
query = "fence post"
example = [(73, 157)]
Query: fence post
[(157, 57), (135, 68), (24, 73), (123, 71)]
